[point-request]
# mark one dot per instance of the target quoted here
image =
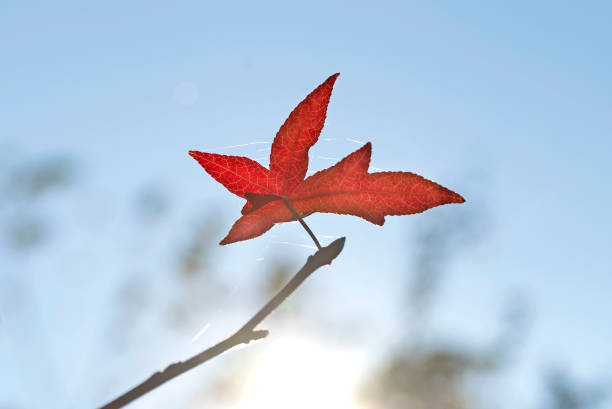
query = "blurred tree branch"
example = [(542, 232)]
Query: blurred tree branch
[(244, 335)]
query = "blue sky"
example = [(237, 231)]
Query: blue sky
[(508, 104)]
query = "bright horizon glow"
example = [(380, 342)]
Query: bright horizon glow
[(302, 373)]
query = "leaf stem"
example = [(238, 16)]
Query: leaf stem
[(303, 223)]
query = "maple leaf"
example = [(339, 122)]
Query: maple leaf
[(274, 195)]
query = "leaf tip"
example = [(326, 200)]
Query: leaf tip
[(457, 198), (332, 78)]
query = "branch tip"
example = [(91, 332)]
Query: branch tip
[(327, 254)]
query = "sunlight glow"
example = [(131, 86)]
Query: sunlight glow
[(302, 374)]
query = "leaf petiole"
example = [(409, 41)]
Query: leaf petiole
[(297, 216)]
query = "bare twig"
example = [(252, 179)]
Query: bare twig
[(302, 222), (244, 335)]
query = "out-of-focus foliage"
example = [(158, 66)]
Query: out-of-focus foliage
[(435, 244), (435, 374), (24, 185), (151, 204), (35, 179), (563, 392), (419, 374)]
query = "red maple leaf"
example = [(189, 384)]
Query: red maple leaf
[(345, 188)]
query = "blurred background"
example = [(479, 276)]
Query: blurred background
[(109, 263)]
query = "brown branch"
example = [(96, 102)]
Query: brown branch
[(244, 335)]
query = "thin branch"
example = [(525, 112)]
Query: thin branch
[(302, 222), (244, 335)]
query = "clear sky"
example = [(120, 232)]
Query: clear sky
[(507, 103)]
